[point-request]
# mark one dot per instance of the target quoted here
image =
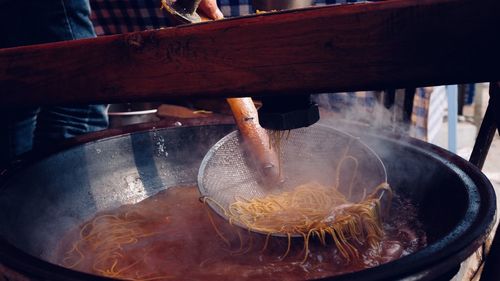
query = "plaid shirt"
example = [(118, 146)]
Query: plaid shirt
[(118, 16)]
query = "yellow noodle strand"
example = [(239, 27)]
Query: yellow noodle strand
[(313, 210), (105, 236)]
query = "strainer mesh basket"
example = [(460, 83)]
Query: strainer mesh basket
[(307, 154)]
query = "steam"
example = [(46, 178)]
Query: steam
[(385, 130), (363, 108)]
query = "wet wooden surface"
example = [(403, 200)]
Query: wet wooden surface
[(390, 44)]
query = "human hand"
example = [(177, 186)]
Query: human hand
[(210, 9)]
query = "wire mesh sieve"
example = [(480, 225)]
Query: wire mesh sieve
[(308, 154)]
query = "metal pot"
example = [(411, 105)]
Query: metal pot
[(45, 199)]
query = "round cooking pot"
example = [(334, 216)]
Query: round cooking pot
[(41, 202)]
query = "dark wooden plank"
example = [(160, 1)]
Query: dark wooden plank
[(391, 44)]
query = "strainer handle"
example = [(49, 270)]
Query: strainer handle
[(255, 139)]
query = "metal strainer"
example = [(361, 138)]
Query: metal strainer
[(307, 154)]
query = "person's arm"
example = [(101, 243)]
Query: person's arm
[(210, 9)]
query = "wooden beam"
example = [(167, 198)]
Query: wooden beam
[(390, 44)]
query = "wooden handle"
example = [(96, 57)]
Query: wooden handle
[(368, 46), (256, 139)]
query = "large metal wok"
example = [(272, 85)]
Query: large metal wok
[(39, 203)]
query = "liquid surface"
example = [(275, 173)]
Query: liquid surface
[(170, 236)]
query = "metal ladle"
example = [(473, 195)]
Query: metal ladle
[(182, 11)]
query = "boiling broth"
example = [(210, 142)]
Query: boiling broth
[(174, 239)]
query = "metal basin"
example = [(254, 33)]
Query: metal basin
[(42, 201)]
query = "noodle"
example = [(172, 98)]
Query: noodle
[(106, 236), (312, 210), (186, 247)]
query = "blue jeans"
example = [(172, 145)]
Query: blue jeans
[(30, 22)]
